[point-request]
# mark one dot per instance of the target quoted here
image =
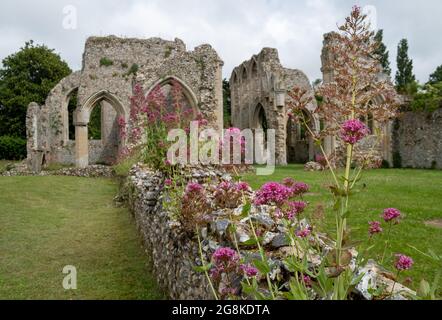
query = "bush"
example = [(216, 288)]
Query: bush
[(106, 62), (12, 148), (397, 160)]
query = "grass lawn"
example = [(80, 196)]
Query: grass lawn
[(417, 193), (49, 222)]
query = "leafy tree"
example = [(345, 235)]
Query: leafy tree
[(227, 105), (436, 76), (381, 52), (27, 75), (428, 98), (404, 75)]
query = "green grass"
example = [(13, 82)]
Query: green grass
[(417, 193), (49, 222)]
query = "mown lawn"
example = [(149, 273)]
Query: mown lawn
[(417, 193), (47, 223)]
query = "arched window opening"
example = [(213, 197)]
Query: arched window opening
[(254, 69), (94, 132), (72, 105), (244, 74)]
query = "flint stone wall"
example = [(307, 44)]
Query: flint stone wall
[(418, 139), (111, 67), (173, 253)]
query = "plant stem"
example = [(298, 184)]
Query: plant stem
[(203, 262), (386, 242), (263, 258), (394, 283)]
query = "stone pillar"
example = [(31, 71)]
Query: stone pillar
[(81, 146)]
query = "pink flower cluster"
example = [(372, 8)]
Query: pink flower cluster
[(403, 262), (249, 270), (375, 227), (353, 131), (304, 232), (391, 214), (224, 260), (295, 208), (194, 187), (298, 188), (272, 193), (229, 194), (225, 256)]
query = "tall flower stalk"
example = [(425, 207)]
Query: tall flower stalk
[(355, 92)]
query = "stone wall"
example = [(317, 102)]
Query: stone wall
[(174, 253), (417, 139), (261, 83), (111, 67)]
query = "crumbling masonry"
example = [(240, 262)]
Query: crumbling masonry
[(111, 67)]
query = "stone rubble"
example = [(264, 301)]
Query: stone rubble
[(175, 253)]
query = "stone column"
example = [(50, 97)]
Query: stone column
[(81, 145)]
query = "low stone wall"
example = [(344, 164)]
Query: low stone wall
[(174, 254), (417, 140)]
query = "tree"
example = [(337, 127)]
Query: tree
[(27, 75), (404, 74), (436, 76), (227, 105), (381, 52)]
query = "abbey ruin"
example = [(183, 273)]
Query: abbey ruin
[(112, 66)]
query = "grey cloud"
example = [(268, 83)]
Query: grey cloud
[(236, 29)]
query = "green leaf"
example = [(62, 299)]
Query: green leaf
[(204, 268), (424, 289), (246, 210), (251, 242), (346, 214), (262, 266)]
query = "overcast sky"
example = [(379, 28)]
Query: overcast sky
[(236, 29)]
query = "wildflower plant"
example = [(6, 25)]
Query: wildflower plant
[(356, 91)]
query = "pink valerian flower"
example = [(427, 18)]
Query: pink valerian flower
[(272, 193), (391, 214), (229, 194), (249, 270), (122, 125), (300, 188), (295, 208), (353, 131), (225, 260), (194, 187), (304, 232), (307, 280), (375, 227), (225, 254), (242, 186), (403, 262), (168, 182)]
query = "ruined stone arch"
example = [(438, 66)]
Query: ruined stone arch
[(244, 75), (254, 68), (82, 115), (300, 143), (57, 104), (260, 118), (187, 91)]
